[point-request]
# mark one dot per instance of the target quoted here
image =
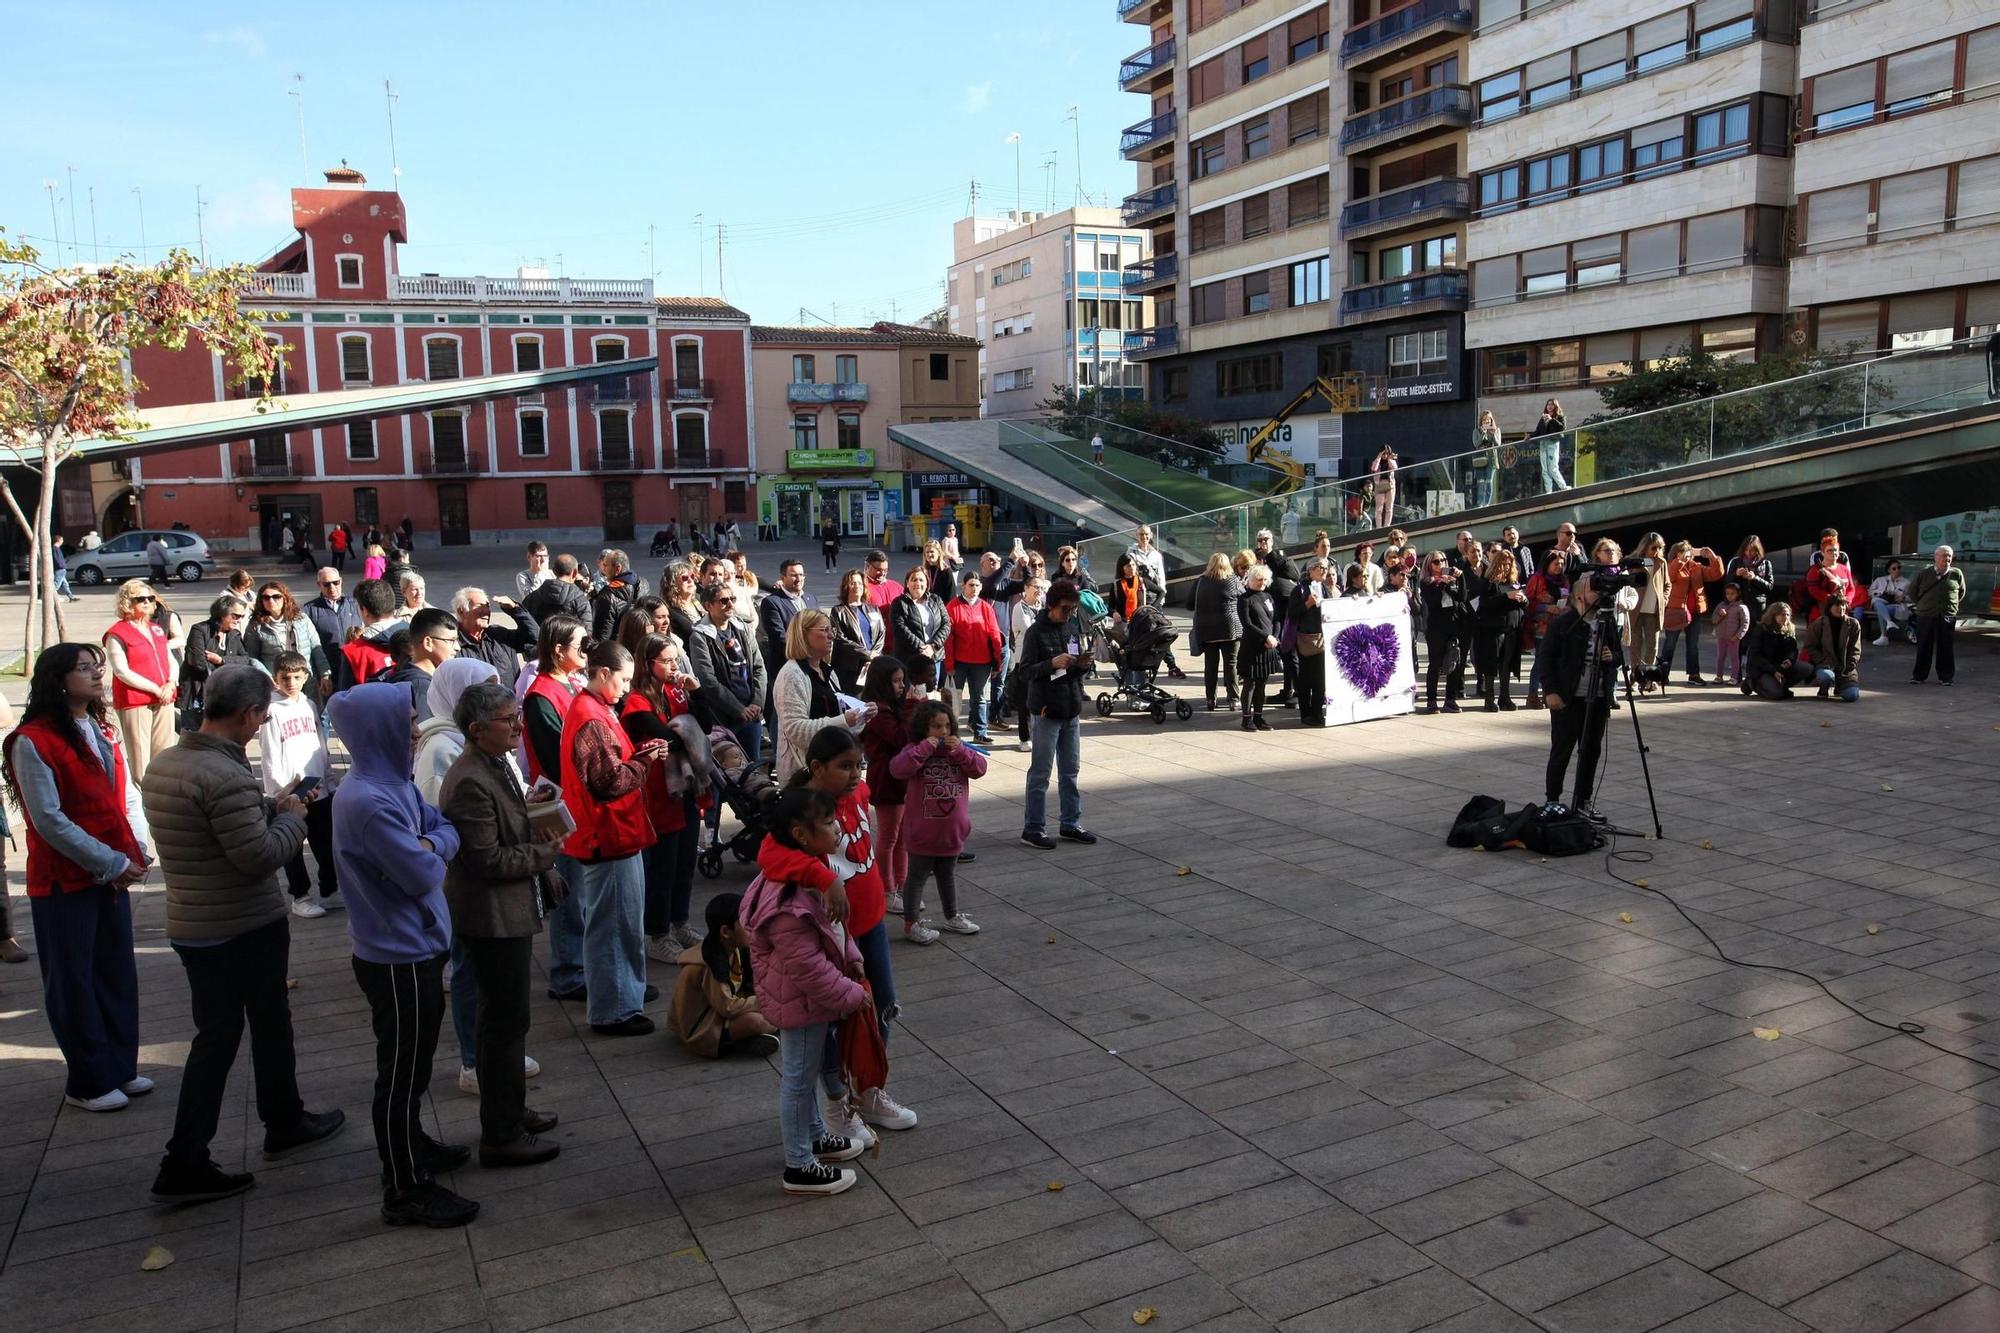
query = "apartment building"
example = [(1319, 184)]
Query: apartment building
[(825, 399), (597, 463), (1052, 300), (1733, 175), (1303, 174)]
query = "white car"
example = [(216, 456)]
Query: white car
[(124, 557)]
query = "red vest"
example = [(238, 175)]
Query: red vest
[(145, 645), (93, 800), (605, 830), (365, 658), (559, 694)]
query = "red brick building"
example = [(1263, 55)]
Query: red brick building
[(606, 461)]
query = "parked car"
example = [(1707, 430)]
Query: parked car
[(124, 557)]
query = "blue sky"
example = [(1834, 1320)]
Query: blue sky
[(836, 143)]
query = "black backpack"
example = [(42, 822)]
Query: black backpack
[(1555, 831)]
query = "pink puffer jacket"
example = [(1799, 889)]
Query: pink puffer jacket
[(801, 963)]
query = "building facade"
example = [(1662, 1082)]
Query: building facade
[(602, 462), (1053, 300), (825, 398)]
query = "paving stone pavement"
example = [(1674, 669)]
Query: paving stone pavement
[(1334, 1075)]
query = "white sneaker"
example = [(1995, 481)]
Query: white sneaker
[(468, 1081), (113, 1100), (839, 1120), (1881, 639), (307, 909), (916, 932), (960, 924), (1023, 747), (660, 948), (333, 904), (530, 1068), (894, 905), (138, 1087), (879, 1108)]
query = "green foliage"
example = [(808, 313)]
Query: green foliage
[(1069, 410)]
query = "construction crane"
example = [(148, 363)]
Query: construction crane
[(1351, 392)]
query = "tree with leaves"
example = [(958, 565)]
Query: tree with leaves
[(1071, 410), (66, 342)]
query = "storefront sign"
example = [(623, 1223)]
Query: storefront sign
[(892, 506), (792, 486), (924, 480), (1438, 388), (829, 460)]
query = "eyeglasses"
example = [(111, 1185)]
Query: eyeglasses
[(329, 583), (274, 597), (442, 638)]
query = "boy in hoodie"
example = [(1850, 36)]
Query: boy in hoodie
[(392, 849)]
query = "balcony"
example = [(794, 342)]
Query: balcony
[(614, 458), (1149, 137), (299, 285), (1137, 71), (1445, 107), (619, 390), (269, 461), (1143, 11), (1153, 341), (1146, 205), (446, 461), (1150, 274), (801, 391), (541, 291), (693, 389), (1444, 290), (1449, 199), (1401, 31)]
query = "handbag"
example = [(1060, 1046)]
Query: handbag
[(1311, 643)]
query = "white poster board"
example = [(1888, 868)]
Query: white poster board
[(1371, 661)]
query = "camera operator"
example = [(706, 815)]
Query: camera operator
[(1573, 719)]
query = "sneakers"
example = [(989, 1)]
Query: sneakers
[(916, 932), (660, 948), (138, 1087), (685, 937), (579, 995), (115, 1100), (333, 902), (961, 924), (844, 1123), (200, 1185), (468, 1080), (763, 1045), (878, 1108), (1085, 836), (524, 1151), (1038, 840), (438, 1158), (1589, 812), (1023, 747), (894, 905), (819, 1178), (428, 1206), (836, 1148), (306, 909), (638, 1025), (11, 951), (1881, 639), (310, 1129)]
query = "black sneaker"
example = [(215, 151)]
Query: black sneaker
[(1084, 836), (524, 1151), (310, 1129), (537, 1122), (438, 1157), (200, 1185), (638, 1025), (763, 1044), (427, 1206), (964, 857), (836, 1148), (819, 1178), (1038, 840), (652, 992), (1589, 812), (578, 994)]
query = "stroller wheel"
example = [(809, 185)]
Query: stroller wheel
[(1159, 712), (1183, 710), (709, 862), (1105, 703)]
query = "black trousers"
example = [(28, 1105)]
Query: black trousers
[(1464, 636), (1441, 657), (1218, 654), (1490, 649), (238, 981), (90, 985), (319, 837), (670, 873), (1312, 689), (502, 968), (1253, 665), (407, 1001), (1934, 639), (1568, 735)]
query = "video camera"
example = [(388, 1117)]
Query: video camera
[(1635, 572)]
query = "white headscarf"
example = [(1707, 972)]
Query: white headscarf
[(439, 741)]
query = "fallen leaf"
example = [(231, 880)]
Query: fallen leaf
[(1055, 1187), (1185, 870), (157, 1257), (1052, 939), (1887, 787), (1145, 1315), (693, 1252), (291, 983), (1827, 725), (1707, 846), (1874, 928), (1626, 917), (1640, 882), (1766, 1034)]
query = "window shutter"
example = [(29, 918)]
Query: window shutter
[(614, 433), (1654, 252), (1978, 191), (354, 360), (1843, 88), (1915, 75), (1923, 312), (441, 359), (1714, 242), (1840, 325), (1708, 13), (1493, 281), (448, 435), (1549, 69), (1604, 51), (1604, 349), (1654, 34), (1912, 205), (1837, 219), (1982, 306), (1982, 63), (1256, 215), (1667, 340)]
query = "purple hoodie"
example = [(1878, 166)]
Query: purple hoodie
[(396, 911)]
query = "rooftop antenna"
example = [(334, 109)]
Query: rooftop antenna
[(700, 259), (1049, 165), (1015, 139), (141, 197), (93, 225), (55, 227), (395, 167), (652, 267), (721, 287), (1075, 118), (805, 314), (298, 94), (200, 232), (972, 199), (75, 251)]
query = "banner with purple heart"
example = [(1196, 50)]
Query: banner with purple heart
[(1371, 661)]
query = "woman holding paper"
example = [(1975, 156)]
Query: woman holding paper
[(804, 695)]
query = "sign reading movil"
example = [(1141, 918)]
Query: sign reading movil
[(829, 460)]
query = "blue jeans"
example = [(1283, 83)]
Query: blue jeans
[(874, 947), (1551, 460), (566, 933), (1692, 637), (1888, 615), (464, 1004), (972, 680), (800, 1051), (62, 585), (997, 694), (1058, 743), (751, 737), (613, 894), (1847, 694)]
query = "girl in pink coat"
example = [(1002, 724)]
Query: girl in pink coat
[(808, 975), (937, 769)]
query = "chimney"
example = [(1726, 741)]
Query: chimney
[(344, 175)]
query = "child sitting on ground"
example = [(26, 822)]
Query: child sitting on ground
[(294, 752), (937, 769), (714, 1009)]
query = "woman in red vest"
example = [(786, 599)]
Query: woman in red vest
[(663, 690), (604, 786), (66, 772), (546, 692), (142, 676)]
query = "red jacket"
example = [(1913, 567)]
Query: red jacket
[(366, 658), (605, 830), (975, 634), (879, 595), (145, 645), (853, 865), (92, 799), (882, 739), (558, 693), (667, 811), (1823, 580)]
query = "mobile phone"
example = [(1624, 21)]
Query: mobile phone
[(304, 787)]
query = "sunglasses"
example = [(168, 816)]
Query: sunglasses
[(142, 601), (274, 597)]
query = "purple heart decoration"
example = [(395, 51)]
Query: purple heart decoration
[(1367, 656)]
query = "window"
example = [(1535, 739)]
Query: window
[(1493, 281), (1176, 388), (1548, 79), (361, 441), (687, 362), (1205, 81), (1548, 179), (1420, 353), (1306, 37), (847, 430), (366, 512), (1257, 139), (1014, 272), (1657, 149), (1441, 252), (940, 367), (1597, 260), (534, 435), (802, 370), (1205, 231), (607, 349), (1311, 281), (1911, 205), (1246, 375), (1257, 57), (1558, 363), (1845, 97), (1726, 129), (691, 440), (1922, 319), (441, 358), (448, 437), (735, 497), (1654, 252), (1499, 191), (1600, 165), (1205, 303), (535, 500), (1256, 292), (1660, 42), (1545, 270), (1978, 191), (1008, 380), (1440, 72), (1206, 156), (1600, 62), (1305, 201), (1306, 118), (1920, 78), (1256, 215), (805, 430), (1508, 368), (527, 354), (846, 370), (1720, 23), (1500, 96), (1107, 255), (1398, 261), (347, 270), (354, 359)]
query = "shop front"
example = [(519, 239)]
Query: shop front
[(821, 484)]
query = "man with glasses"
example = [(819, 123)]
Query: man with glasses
[(479, 637), (731, 670), (1574, 560), (333, 614), (1935, 596), (536, 574), (432, 640)]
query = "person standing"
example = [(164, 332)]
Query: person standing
[(1053, 658), (1486, 461), (1689, 571), (611, 601), (1446, 618), (859, 635), (1935, 596), (805, 694), (545, 700), (1383, 471), (537, 572), (876, 583), (972, 651), (1217, 627), (774, 615), (921, 628), (62, 568), (1258, 645), (1502, 603), (291, 748), (279, 626), (337, 542), (1152, 563), (220, 846), (213, 644), (566, 592), (86, 834), (662, 691), (1310, 630), (142, 677), (731, 670), (1574, 560), (1751, 572), (1547, 435), (1284, 576), (156, 560), (479, 637), (1574, 721), (1097, 448), (829, 543)]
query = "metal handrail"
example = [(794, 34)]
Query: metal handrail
[(1141, 63), (1449, 192), (1444, 100), (1444, 285), (1150, 130), (1400, 23), (1138, 205)]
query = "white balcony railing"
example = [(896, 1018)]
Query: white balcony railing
[(279, 284), (563, 291)]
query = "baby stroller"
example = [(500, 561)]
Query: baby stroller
[(1137, 648), (749, 790)]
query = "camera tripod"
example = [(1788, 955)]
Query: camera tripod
[(1599, 687)]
